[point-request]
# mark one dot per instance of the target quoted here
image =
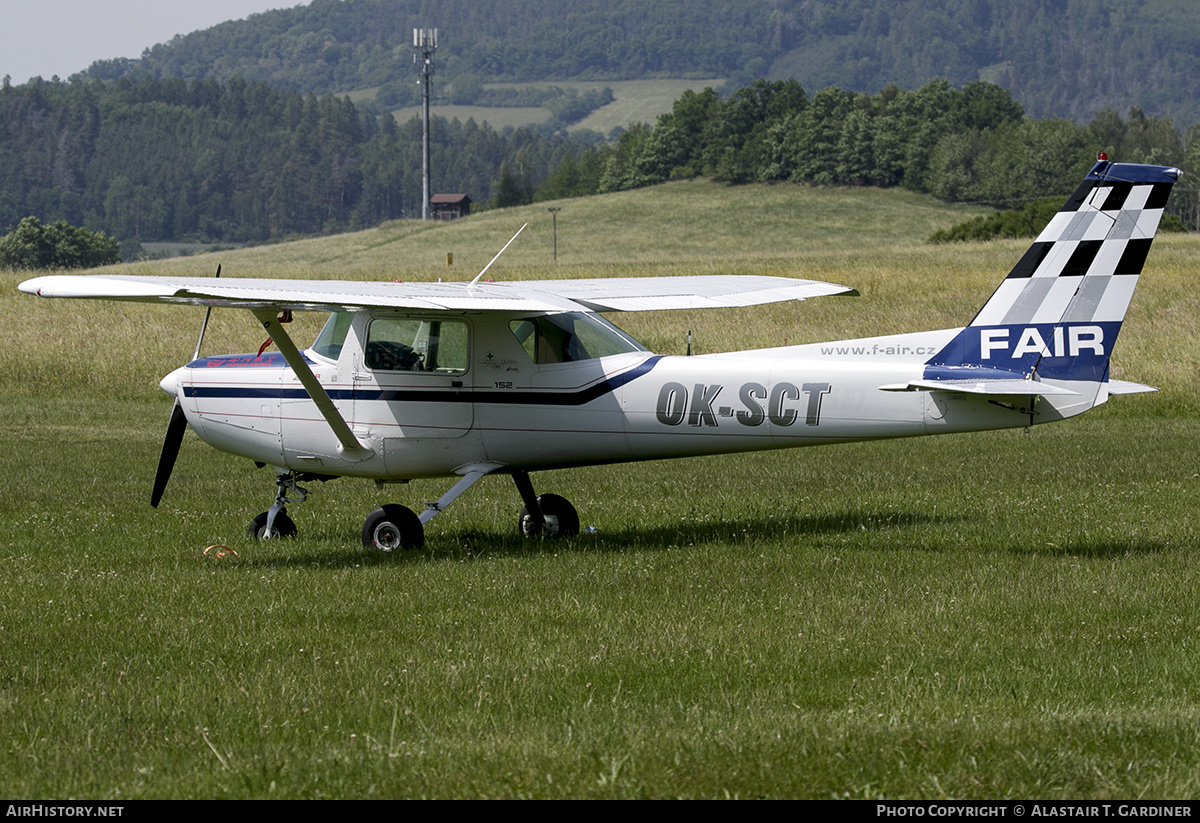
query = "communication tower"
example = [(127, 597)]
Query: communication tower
[(425, 42)]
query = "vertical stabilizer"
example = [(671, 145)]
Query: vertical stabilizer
[(1058, 313)]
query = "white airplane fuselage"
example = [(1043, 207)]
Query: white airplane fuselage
[(506, 410), (410, 380)]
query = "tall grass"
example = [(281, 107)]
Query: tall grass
[(993, 615)]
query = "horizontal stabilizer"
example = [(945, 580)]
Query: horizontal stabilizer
[(1004, 388), (1125, 387)]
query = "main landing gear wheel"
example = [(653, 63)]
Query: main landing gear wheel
[(561, 518), (392, 527), (284, 527)]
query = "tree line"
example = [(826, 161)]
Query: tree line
[(972, 145), (34, 245), (245, 162), (235, 162)]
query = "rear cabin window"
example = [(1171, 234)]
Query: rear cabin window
[(569, 337), (410, 344)]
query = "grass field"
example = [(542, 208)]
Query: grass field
[(976, 616)]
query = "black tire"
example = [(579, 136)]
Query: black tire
[(393, 527), (284, 527), (560, 515)]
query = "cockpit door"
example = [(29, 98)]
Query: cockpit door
[(410, 378)]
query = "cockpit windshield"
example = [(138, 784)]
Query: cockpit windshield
[(571, 336), (329, 342)]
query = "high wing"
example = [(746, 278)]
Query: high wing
[(265, 297), (596, 295)]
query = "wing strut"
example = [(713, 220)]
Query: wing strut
[(350, 447)]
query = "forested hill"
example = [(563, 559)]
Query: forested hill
[(1059, 58), (240, 161), (247, 162)]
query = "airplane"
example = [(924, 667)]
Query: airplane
[(467, 380)]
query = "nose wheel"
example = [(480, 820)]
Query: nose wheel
[(283, 527), (274, 522)]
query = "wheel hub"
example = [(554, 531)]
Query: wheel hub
[(387, 537)]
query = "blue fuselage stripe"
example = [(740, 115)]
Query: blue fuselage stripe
[(518, 397)]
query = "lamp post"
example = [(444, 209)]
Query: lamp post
[(554, 210)]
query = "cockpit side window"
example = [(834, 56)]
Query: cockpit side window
[(333, 336), (570, 337), (414, 344)]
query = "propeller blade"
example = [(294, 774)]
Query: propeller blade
[(170, 451), (176, 427)]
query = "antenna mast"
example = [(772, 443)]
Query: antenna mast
[(425, 42)]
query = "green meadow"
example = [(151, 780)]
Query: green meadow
[(634, 101), (998, 615)]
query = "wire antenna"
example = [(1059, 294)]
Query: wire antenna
[(497, 257)]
